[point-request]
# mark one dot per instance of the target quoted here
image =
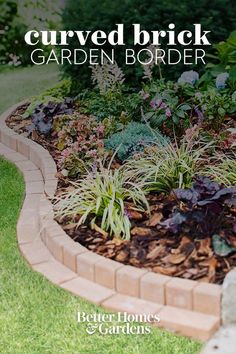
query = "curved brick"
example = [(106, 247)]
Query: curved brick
[(193, 324), (55, 271), (207, 298), (88, 290), (179, 293), (153, 287), (36, 223), (105, 272), (124, 303), (128, 280)]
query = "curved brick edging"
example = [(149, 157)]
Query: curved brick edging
[(185, 306)]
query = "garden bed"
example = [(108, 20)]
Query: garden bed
[(186, 253), (147, 174)]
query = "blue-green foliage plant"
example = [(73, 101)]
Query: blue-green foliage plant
[(133, 139)]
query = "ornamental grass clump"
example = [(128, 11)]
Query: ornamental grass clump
[(100, 197), (223, 170), (166, 168)]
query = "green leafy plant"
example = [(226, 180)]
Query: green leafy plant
[(101, 196), (121, 105), (225, 57), (134, 138), (167, 109), (167, 168), (215, 105)]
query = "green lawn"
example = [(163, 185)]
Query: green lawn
[(18, 84), (37, 317)]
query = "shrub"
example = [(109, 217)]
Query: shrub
[(121, 105), (94, 15), (16, 17), (167, 168), (102, 196), (224, 57), (215, 104), (134, 138)]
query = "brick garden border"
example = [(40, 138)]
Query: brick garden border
[(188, 307)]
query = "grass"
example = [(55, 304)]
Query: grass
[(37, 317), (18, 84)]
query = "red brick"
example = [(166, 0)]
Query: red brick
[(8, 138), (35, 252), (105, 272), (179, 293), (52, 229), (46, 214), (15, 157), (33, 176), (70, 253), (188, 323), (50, 176), (27, 230), (128, 280), (88, 290), (23, 146), (54, 271), (152, 287), (37, 154), (34, 187), (124, 303), (50, 188), (55, 246), (86, 264), (48, 166), (4, 150), (26, 166), (31, 202), (207, 298)]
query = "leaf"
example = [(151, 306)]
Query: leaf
[(212, 270), (175, 258), (175, 119), (122, 256), (155, 219), (165, 271), (155, 252), (185, 107), (98, 229), (221, 247), (140, 231), (70, 226), (133, 214), (205, 247)]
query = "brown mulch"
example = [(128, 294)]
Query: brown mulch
[(151, 246)]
